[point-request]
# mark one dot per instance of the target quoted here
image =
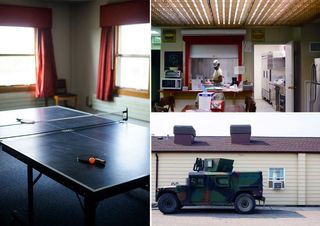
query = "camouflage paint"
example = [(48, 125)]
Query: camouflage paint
[(216, 188)]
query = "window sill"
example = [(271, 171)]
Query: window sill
[(132, 92), (17, 88)]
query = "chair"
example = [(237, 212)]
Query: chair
[(63, 95), (164, 104), (250, 104), (167, 101)]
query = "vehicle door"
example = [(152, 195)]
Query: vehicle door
[(197, 190), (221, 191)]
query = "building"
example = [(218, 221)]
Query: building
[(292, 162), (237, 33)]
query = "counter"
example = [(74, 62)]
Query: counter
[(229, 93)]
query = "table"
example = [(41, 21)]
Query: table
[(51, 146)]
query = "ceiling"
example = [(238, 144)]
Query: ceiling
[(233, 13)]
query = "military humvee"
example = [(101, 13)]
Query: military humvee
[(213, 184)]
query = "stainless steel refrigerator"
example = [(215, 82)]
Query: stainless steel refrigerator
[(313, 88)]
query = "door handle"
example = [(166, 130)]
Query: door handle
[(291, 87)]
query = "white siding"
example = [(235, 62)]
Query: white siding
[(313, 179), (139, 108), (174, 167), (10, 101)]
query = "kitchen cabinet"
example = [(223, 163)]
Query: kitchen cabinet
[(273, 68), (265, 78)]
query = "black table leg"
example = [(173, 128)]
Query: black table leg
[(30, 195), (90, 211)]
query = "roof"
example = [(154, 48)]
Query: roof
[(223, 144)]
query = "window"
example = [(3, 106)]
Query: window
[(222, 182), (133, 57), (276, 178), (202, 57), (197, 181), (17, 56)]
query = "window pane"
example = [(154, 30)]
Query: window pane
[(134, 39), (16, 40), (276, 174), (132, 72), (17, 70)]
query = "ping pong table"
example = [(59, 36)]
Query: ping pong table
[(51, 139)]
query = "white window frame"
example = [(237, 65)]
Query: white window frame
[(19, 87), (280, 180), (131, 91)]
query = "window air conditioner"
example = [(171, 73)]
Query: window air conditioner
[(277, 185)]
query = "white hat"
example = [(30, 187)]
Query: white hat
[(215, 63)]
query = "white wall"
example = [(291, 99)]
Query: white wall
[(258, 51), (85, 46), (61, 44)]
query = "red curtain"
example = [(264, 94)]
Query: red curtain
[(25, 16), (131, 12), (124, 13), (105, 72), (46, 75), (40, 18)]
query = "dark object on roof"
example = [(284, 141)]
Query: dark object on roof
[(240, 134), (184, 130), (184, 135)]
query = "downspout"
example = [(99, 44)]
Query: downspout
[(157, 171)]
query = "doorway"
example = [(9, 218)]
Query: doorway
[(269, 77)]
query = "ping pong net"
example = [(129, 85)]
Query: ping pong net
[(26, 127)]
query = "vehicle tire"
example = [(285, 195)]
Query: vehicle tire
[(244, 203), (168, 203)]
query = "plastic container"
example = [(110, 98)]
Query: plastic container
[(205, 101)]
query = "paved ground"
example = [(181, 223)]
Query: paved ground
[(263, 216)]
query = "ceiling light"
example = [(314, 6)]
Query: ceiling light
[(169, 17), (255, 11), (223, 11), (217, 11), (200, 15), (242, 11), (236, 13), (186, 1), (285, 7), (205, 11), (274, 11), (267, 13), (153, 32), (230, 9), (177, 10), (299, 7), (265, 5)]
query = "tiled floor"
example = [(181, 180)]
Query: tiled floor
[(263, 106)]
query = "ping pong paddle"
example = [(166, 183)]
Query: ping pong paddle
[(92, 160), (25, 121)]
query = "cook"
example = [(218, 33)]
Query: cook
[(217, 74)]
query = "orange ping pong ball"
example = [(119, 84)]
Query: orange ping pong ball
[(92, 160)]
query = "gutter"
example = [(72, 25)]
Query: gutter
[(157, 171)]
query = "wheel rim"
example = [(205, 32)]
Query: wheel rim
[(168, 203), (245, 204)]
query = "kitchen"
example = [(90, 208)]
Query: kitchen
[(187, 36)]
